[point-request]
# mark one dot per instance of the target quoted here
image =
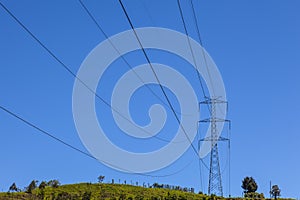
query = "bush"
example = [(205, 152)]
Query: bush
[(63, 196), (86, 196), (138, 197), (54, 183), (122, 197), (254, 195)]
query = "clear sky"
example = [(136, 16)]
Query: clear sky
[(255, 44)]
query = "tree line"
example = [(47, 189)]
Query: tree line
[(249, 187), (33, 185)]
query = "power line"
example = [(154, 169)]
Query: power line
[(157, 79), (206, 65), (190, 46), (196, 23), (148, 12), (116, 49), (48, 134), (70, 71), (200, 82), (45, 132), (73, 74), (194, 60), (200, 40), (192, 52), (199, 162), (214, 152)]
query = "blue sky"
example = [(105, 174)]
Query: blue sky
[(255, 45)]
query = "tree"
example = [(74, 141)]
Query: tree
[(249, 185), (275, 191), (101, 178), (13, 188), (31, 187), (54, 183), (155, 185), (42, 185)]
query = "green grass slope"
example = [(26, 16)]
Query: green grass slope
[(86, 191), (102, 191)]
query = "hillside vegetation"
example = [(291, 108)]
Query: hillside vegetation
[(86, 191), (102, 191)]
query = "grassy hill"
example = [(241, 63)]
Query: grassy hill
[(87, 191), (102, 191)]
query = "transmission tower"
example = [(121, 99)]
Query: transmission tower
[(215, 177)]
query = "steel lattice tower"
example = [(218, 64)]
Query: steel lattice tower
[(215, 178)]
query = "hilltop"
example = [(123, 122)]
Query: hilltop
[(102, 191), (86, 191)]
